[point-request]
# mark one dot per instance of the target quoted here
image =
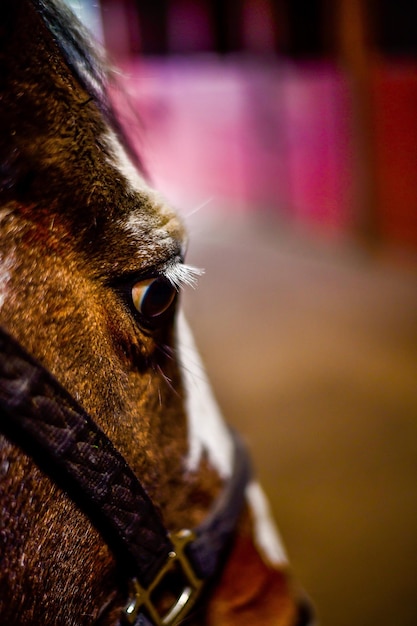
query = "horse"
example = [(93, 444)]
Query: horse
[(124, 496)]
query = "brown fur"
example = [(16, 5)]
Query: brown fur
[(61, 207), (249, 591)]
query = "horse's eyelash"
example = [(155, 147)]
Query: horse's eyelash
[(177, 274), (181, 275)]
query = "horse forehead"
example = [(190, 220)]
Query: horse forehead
[(150, 209), (149, 223)]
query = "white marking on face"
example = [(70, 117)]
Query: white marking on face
[(208, 433), (6, 266), (206, 429), (156, 216), (124, 165), (137, 224), (267, 538)]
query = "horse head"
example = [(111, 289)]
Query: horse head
[(91, 269)]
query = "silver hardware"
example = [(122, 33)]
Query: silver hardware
[(141, 598)]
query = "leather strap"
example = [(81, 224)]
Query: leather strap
[(43, 418), (50, 425)]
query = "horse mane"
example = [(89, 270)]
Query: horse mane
[(89, 63), (84, 56), (86, 60)]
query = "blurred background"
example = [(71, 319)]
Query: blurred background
[(285, 131)]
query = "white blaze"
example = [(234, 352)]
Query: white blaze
[(267, 538), (123, 163), (208, 433), (5, 267), (207, 430)]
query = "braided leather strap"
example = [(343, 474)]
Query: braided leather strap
[(47, 422), (40, 416)]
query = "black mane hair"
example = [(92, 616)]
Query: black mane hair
[(88, 62)]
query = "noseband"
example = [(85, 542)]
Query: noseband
[(45, 420)]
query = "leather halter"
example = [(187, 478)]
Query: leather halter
[(46, 421)]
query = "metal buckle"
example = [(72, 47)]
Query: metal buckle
[(143, 600)]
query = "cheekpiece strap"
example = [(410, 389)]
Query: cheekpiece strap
[(38, 414), (41, 416)]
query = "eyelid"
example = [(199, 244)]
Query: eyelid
[(178, 273), (126, 271)]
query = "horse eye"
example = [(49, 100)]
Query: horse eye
[(152, 298)]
